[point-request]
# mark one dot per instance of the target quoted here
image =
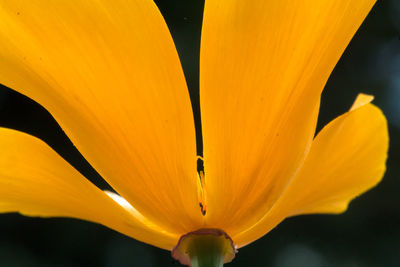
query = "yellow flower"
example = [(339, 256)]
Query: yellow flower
[(109, 73)]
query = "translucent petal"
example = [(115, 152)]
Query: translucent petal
[(35, 181), (109, 73), (346, 159), (263, 66)]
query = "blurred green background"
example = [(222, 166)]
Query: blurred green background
[(368, 234)]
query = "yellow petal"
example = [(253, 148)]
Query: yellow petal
[(263, 66), (35, 181), (361, 100), (346, 158), (109, 73)]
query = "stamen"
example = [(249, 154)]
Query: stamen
[(201, 192)]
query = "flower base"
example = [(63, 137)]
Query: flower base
[(204, 248)]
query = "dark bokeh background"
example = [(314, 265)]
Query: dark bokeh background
[(368, 234)]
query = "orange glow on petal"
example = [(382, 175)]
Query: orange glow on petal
[(346, 159), (110, 75), (35, 181), (263, 65)]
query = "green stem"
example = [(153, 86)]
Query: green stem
[(206, 251)]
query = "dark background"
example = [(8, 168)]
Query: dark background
[(368, 234)]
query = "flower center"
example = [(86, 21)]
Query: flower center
[(204, 247)]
